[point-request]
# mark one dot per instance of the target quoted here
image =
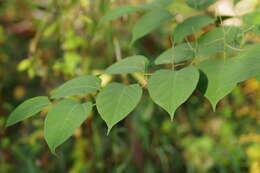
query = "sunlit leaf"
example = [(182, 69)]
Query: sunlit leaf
[(149, 22), (27, 109), (182, 52), (116, 101), (62, 121), (191, 25), (131, 64), (24, 64), (81, 85), (169, 89)]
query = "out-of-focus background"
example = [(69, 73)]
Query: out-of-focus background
[(46, 42)]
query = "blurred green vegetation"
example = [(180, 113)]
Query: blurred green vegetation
[(46, 42)]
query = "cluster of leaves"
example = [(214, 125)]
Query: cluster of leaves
[(214, 64)]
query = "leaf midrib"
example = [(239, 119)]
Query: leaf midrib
[(117, 104), (62, 131)]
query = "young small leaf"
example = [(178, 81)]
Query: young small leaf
[(115, 101), (62, 121), (131, 64), (190, 25), (27, 109), (118, 12), (81, 85), (149, 22), (169, 89), (182, 52), (200, 4)]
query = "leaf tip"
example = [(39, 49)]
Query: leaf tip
[(108, 130), (54, 152), (172, 116), (132, 42), (53, 95), (109, 127), (8, 124), (214, 106)]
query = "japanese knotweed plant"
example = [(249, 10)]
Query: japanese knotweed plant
[(214, 64)]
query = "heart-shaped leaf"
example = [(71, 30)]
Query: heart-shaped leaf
[(80, 85), (27, 109), (182, 52), (116, 101), (62, 121), (169, 89), (222, 75), (190, 25), (149, 22), (216, 83), (131, 64)]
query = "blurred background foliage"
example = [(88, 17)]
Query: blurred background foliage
[(46, 42)]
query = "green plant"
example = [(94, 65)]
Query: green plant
[(214, 64)]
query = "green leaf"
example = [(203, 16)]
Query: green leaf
[(118, 12), (87, 108), (182, 52), (252, 21), (156, 4), (216, 74), (220, 39), (62, 121), (27, 109), (236, 1), (81, 85), (169, 89), (115, 101), (149, 22), (127, 9), (221, 76), (258, 77), (131, 64), (189, 26), (247, 63), (200, 4)]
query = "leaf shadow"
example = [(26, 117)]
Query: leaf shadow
[(203, 82)]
